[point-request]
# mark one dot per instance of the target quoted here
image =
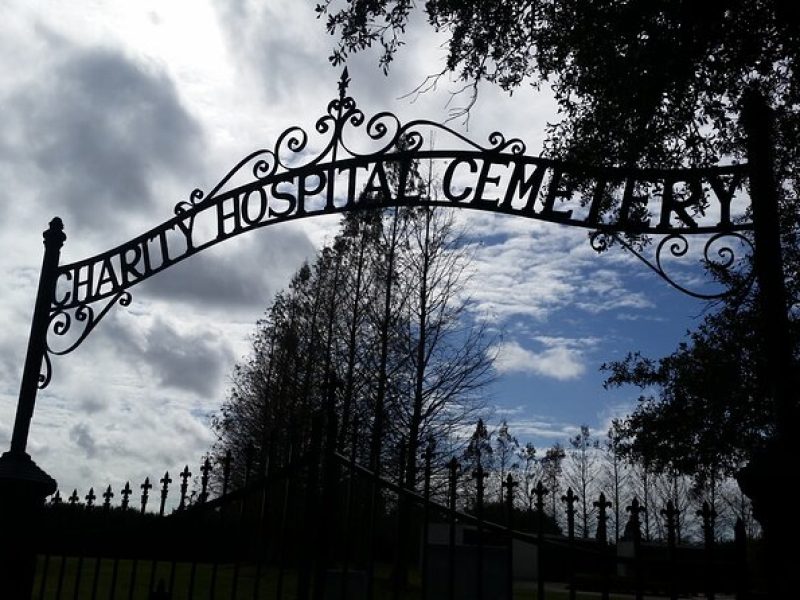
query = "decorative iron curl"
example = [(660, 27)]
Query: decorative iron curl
[(377, 127), (61, 323), (677, 246), (262, 168), (385, 129), (500, 144)]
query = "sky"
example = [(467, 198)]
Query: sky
[(112, 112)]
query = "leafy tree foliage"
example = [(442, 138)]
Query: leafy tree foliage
[(637, 82), (706, 400)]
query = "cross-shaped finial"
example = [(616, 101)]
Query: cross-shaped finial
[(509, 484), (708, 515), (107, 496), (570, 499), (165, 481), (633, 529), (634, 508), (74, 498), (126, 493), (205, 470), (671, 513), (185, 474), (601, 504), (146, 486), (344, 81), (479, 475), (90, 498), (452, 468)]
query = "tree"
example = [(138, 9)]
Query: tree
[(636, 82), (359, 234), (580, 475), (642, 479), (378, 325), (478, 451), (705, 411), (531, 473), (506, 449), (615, 474), (448, 357), (551, 465)]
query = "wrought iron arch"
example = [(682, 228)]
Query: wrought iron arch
[(298, 178)]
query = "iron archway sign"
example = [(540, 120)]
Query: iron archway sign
[(293, 180)]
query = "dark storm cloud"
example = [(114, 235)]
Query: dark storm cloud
[(99, 128), (265, 40), (82, 436), (192, 358), (286, 47), (187, 360), (247, 275)]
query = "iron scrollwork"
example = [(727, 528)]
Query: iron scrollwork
[(718, 256), (61, 325), (297, 177)]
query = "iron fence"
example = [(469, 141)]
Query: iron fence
[(317, 524)]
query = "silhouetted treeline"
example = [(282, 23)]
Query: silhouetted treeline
[(374, 328)]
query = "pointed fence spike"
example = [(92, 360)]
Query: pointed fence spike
[(126, 493), (185, 474), (165, 481), (601, 504), (146, 486), (570, 499), (107, 496), (633, 528), (205, 470)]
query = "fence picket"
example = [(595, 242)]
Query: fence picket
[(308, 529), (570, 499)]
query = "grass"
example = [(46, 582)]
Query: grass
[(62, 572), (183, 582)]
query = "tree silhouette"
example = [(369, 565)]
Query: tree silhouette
[(651, 83), (375, 324)]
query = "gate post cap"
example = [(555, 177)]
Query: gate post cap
[(18, 473)]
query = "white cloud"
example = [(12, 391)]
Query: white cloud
[(558, 360), (543, 429)]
